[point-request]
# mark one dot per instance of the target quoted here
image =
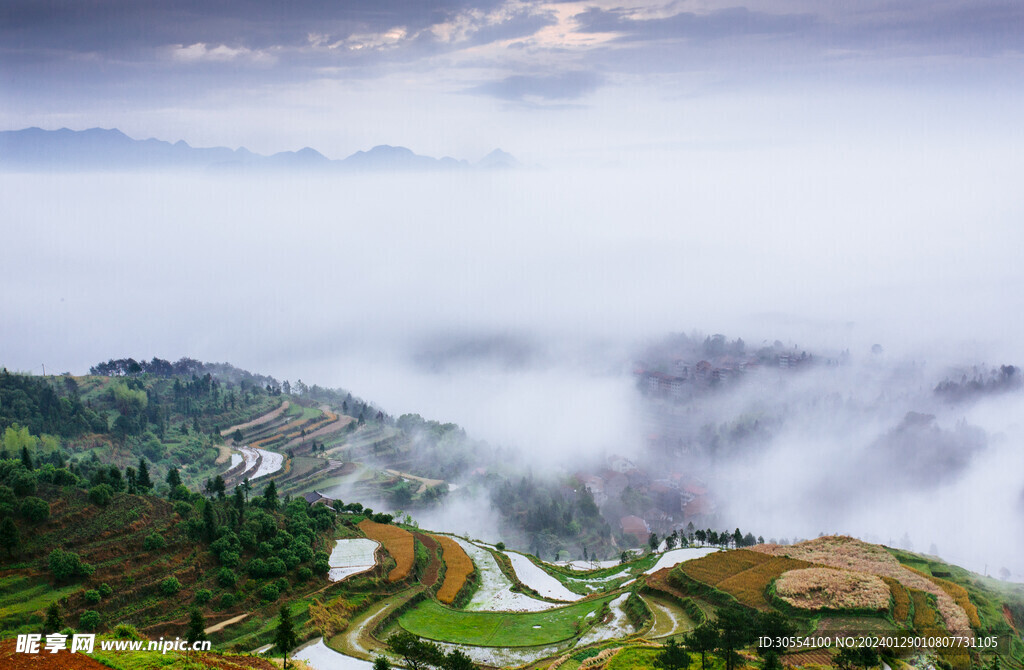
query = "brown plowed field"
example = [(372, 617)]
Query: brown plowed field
[(62, 660)]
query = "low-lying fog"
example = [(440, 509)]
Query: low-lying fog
[(516, 303)]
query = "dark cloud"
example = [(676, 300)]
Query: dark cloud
[(893, 28), (113, 26), (732, 22), (553, 87)]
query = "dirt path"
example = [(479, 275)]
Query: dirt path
[(424, 482), (225, 455), (356, 640), (269, 416), (669, 618), (331, 428), (224, 624), (659, 582)]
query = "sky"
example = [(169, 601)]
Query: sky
[(551, 82), (828, 174)]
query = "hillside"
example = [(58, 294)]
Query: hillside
[(149, 493)]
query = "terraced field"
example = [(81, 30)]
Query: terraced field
[(398, 542), (458, 568), (432, 620)]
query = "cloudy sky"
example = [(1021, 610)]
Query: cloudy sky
[(610, 80)]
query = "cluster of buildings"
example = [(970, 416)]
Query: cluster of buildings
[(674, 500), (684, 376)]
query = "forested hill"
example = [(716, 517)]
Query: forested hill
[(176, 415)]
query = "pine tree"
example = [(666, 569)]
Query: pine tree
[(144, 483), (54, 621), (285, 637), (174, 478), (26, 460), (196, 626), (270, 497)]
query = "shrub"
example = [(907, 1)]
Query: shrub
[(290, 559), (7, 495), (303, 574), (89, 620), (269, 592), (304, 553), (276, 567), (101, 494), (64, 477), (66, 564), (226, 577), (203, 596), (24, 483), (126, 631), (182, 509), (257, 567), (35, 510), (227, 600), (92, 596), (170, 586), (321, 567), (105, 590), (154, 541), (230, 559)]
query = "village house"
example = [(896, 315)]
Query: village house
[(635, 527)]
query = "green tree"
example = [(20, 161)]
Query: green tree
[(170, 586), (144, 483), (196, 626), (89, 620), (101, 494), (672, 657), (735, 631), (652, 542), (64, 565), (270, 500), (381, 663), (26, 459), (54, 620), (10, 538), (218, 487), (35, 509), (285, 638), (458, 660), (237, 436), (173, 478), (771, 661), (153, 542), (415, 652), (703, 640)]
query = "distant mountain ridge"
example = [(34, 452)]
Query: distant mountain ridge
[(111, 149)]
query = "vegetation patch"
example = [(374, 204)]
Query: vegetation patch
[(499, 629), (715, 568), (830, 589), (849, 553), (900, 600)]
